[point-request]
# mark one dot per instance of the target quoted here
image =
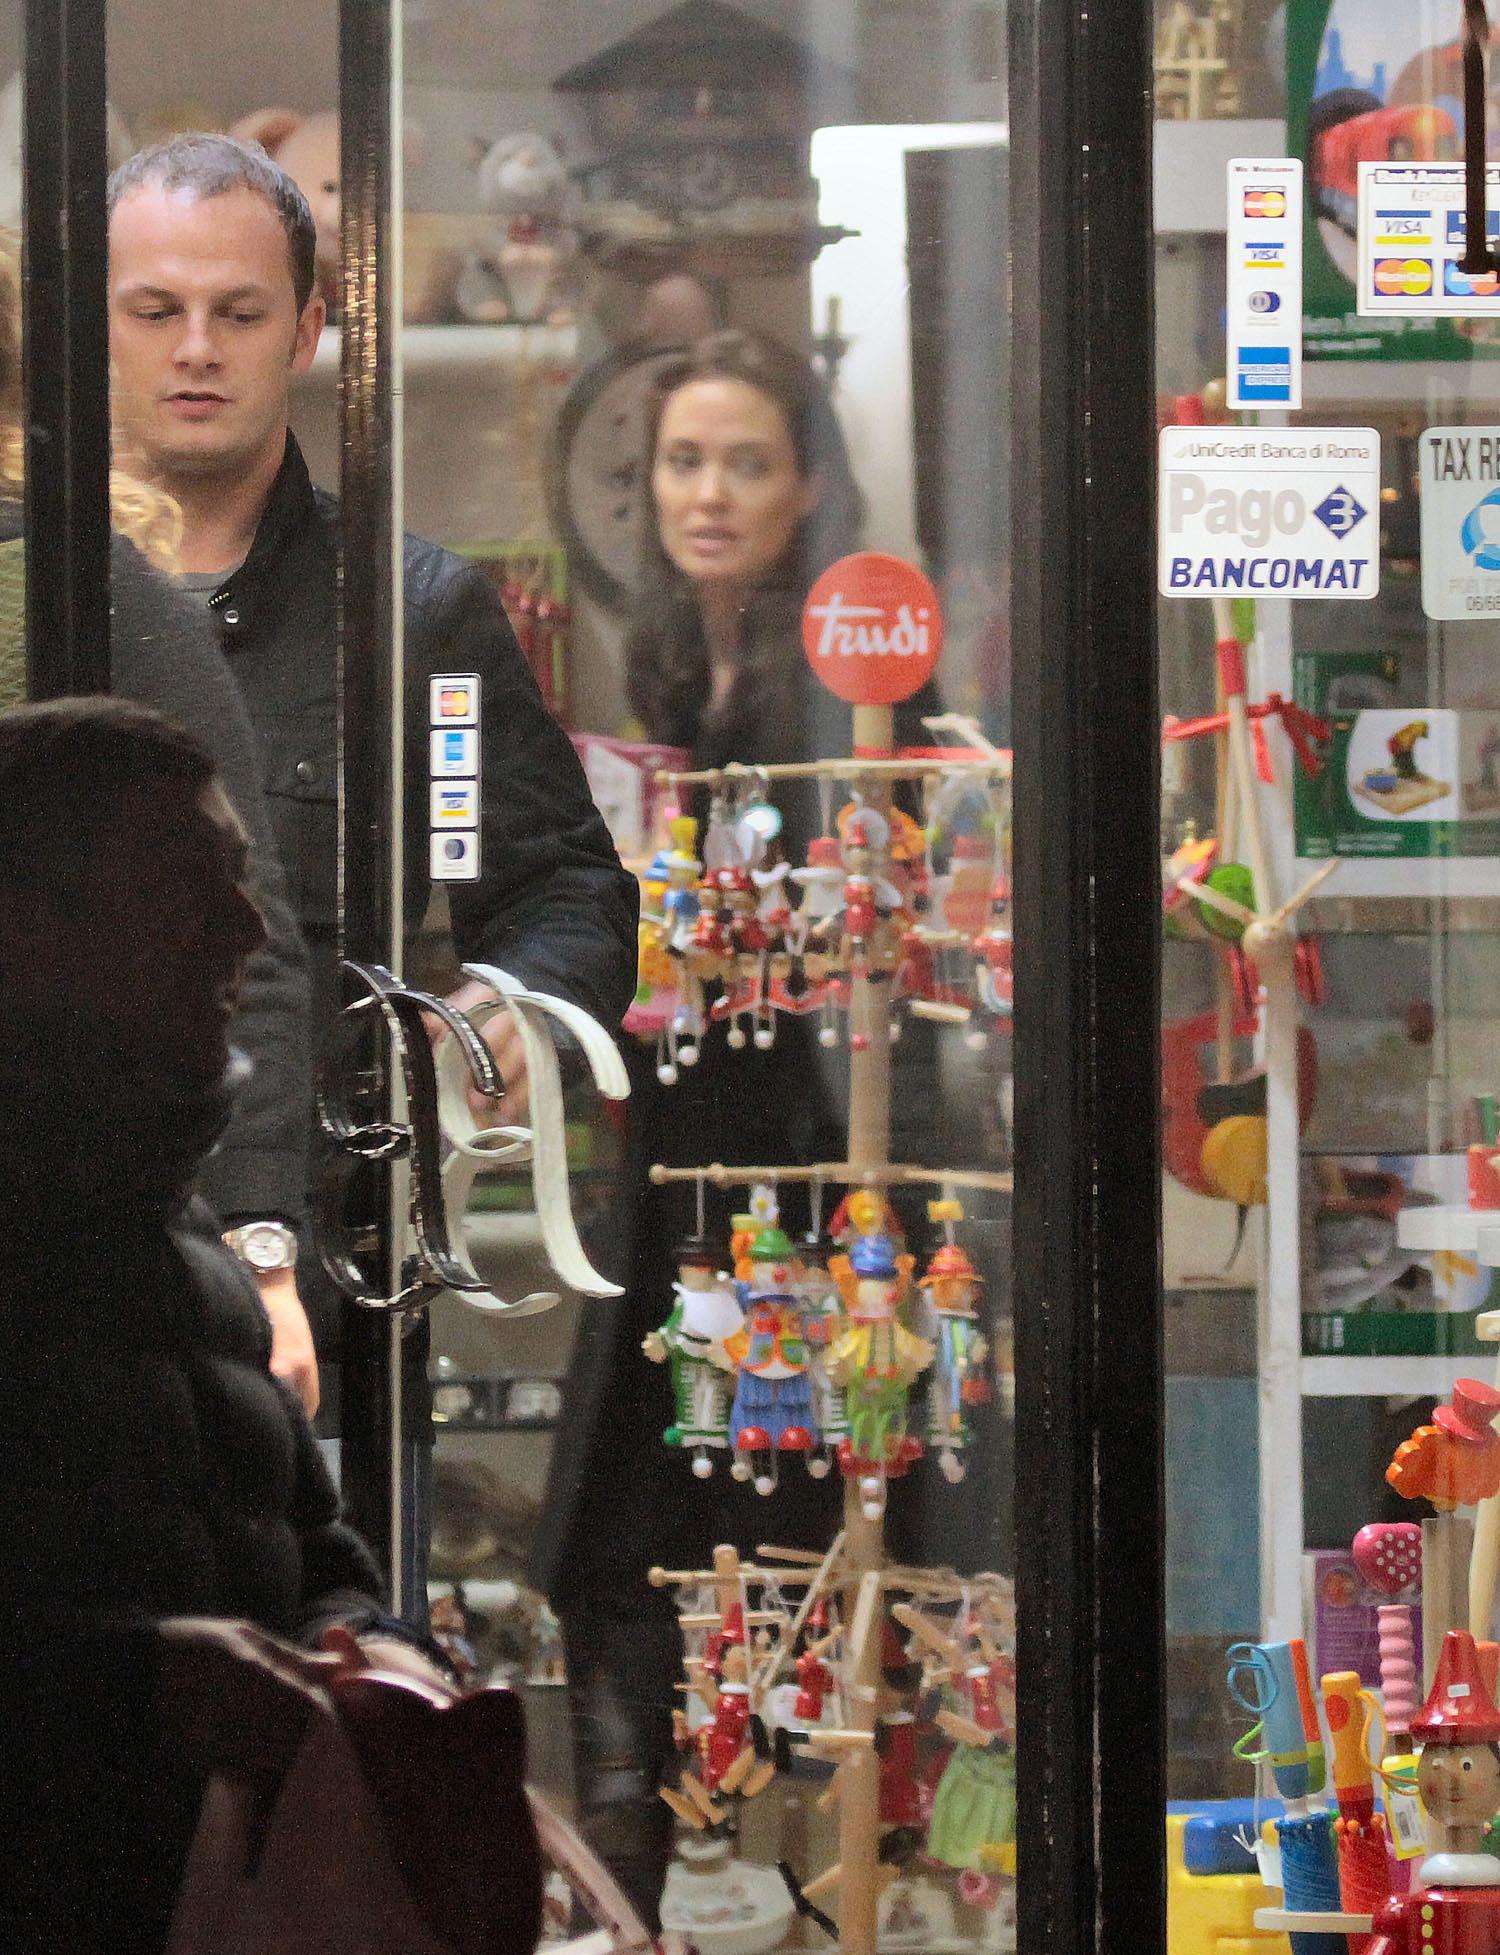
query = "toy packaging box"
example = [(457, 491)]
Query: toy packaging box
[(622, 777), (1398, 780), (1346, 1629)]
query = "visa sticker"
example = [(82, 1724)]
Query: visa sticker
[(455, 804)]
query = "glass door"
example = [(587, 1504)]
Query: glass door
[(738, 421)]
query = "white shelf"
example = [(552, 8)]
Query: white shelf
[(1432, 878), (1461, 1231), (1388, 1377), (1431, 383), (462, 349)]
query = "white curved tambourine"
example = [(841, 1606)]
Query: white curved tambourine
[(543, 1143)]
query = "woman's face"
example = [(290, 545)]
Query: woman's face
[(728, 492)]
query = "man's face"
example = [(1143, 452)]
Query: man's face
[(151, 956), (205, 334)]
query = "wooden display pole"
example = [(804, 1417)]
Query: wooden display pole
[(864, 1538), (856, 1562)]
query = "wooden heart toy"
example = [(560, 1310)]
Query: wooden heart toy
[(1389, 1555)]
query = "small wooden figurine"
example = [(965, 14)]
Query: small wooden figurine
[(773, 1404), (875, 1358), (1456, 1908), (728, 1763), (958, 1380), (705, 1311)]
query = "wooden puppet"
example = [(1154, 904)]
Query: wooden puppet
[(1454, 1907), (875, 1357), (958, 1382), (773, 1408), (705, 1311)]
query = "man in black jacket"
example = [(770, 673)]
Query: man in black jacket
[(212, 311), (154, 1469)]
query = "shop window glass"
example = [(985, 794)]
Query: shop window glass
[(696, 302), (1327, 1286)]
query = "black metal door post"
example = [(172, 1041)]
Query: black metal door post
[(66, 349), (369, 707), (1089, 1506)]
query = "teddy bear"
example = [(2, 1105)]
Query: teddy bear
[(307, 148), (521, 271)]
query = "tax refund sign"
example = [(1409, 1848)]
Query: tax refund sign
[(1461, 522), (1269, 512)]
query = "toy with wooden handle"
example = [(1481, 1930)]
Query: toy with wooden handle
[(1289, 1719), (1388, 1554), (1364, 1860)]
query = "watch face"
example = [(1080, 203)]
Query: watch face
[(267, 1247)]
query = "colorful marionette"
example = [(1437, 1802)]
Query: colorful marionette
[(875, 1358), (974, 1806), (822, 1317), (709, 949), (729, 1762), (865, 1211), (773, 1404), (821, 882), (683, 870), (958, 1381), (873, 916), (1455, 1461), (740, 904), (1454, 1905), (705, 1311)]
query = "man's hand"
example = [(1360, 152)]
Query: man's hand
[(237, 1701), (386, 1653), (504, 1041), (292, 1355)]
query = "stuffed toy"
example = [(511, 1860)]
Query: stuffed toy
[(307, 148), (520, 272)]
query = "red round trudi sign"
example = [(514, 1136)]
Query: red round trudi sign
[(872, 629)]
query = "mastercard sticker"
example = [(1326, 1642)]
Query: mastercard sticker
[(1265, 203), (1403, 277)]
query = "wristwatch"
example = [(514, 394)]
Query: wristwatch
[(264, 1246)]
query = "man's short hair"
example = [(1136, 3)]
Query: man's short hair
[(209, 165), (66, 767)]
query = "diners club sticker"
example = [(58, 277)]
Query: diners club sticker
[(872, 629)]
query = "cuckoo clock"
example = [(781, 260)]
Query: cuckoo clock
[(700, 123)]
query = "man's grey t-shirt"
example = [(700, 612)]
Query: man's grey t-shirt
[(200, 585)]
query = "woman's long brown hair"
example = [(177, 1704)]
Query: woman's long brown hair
[(666, 659)]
